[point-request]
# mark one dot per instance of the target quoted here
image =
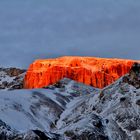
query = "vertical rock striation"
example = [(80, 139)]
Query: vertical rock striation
[(97, 72)]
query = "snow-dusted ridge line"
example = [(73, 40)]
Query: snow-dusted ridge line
[(69, 110), (39, 109)]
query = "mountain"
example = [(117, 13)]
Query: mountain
[(11, 78), (114, 112), (97, 72), (23, 113), (73, 111)]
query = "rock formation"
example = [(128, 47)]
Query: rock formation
[(11, 78), (97, 72), (133, 78)]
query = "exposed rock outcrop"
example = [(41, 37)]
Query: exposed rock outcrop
[(97, 72), (11, 78), (133, 77)]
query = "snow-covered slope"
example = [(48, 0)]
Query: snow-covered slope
[(112, 113), (11, 78), (40, 109), (69, 110)]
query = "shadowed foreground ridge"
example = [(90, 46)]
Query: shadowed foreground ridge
[(97, 72)]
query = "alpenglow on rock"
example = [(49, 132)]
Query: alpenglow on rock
[(97, 72)]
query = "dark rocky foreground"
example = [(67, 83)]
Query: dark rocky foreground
[(69, 110)]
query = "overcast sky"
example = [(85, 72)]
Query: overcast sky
[(32, 29)]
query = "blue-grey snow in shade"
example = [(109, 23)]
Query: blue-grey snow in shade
[(32, 29)]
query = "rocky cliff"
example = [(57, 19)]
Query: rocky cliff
[(97, 72)]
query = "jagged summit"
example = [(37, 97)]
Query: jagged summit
[(97, 72)]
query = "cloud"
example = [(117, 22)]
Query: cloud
[(41, 29)]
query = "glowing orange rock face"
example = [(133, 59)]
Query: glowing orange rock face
[(97, 72)]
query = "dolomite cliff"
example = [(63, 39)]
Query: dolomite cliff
[(97, 72)]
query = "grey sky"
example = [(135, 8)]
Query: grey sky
[(32, 29)]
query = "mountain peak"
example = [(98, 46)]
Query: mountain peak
[(97, 72)]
